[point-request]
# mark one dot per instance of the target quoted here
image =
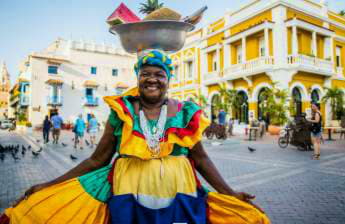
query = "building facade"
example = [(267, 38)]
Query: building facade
[(70, 77), (298, 45), (5, 86)]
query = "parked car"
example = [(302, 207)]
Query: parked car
[(5, 124)]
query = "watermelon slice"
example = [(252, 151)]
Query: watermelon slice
[(122, 15)]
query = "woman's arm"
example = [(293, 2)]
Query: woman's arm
[(316, 119), (207, 169), (101, 157)]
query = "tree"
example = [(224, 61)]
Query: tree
[(202, 100), (150, 6), (273, 103), (342, 13), (336, 98)]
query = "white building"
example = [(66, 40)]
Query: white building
[(71, 77)]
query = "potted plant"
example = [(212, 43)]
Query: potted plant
[(335, 97), (273, 104)]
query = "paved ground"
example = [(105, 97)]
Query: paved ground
[(290, 186)]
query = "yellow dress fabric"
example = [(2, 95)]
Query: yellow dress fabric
[(154, 183), (66, 202), (225, 209)]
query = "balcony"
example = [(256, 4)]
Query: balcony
[(251, 67), (54, 100), (311, 64), (24, 100), (91, 101)]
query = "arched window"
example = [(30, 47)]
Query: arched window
[(315, 97), (214, 101), (261, 99), (242, 114), (297, 100)]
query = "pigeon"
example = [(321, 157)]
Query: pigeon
[(23, 148), (2, 157), (35, 154), (23, 152), (251, 149), (29, 147), (73, 157), (87, 143), (63, 144)]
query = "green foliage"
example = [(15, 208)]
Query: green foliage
[(202, 100), (342, 13), (335, 97), (150, 6), (22, 117), (228, 99), (273, 103)]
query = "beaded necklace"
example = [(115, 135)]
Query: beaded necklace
[(153, 137)]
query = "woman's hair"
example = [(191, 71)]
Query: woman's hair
[(315, 105)]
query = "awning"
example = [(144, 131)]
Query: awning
[(91, 83), (54, 82), (121, 85)]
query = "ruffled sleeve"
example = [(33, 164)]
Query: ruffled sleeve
[(189, 126)]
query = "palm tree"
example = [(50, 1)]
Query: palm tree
[(150, 6), (273, 102), (342, 13), (202, 101), (336, 98)]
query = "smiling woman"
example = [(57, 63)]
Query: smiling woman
[(153, 179)]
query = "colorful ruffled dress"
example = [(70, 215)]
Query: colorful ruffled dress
[(139, 187)]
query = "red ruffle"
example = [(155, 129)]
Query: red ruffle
[(4, 219), (191, 128)]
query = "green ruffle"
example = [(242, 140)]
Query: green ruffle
[(117, 124), (96, 183)]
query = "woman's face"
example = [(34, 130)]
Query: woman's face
[(153, 83), (314, 107)]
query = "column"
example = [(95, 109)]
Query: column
[(218, 59), (227, 55), (314, 44), (267, 43), (244, 50), (331, 48), (294, 41)]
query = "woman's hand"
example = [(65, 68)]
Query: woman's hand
[(29, 192), (243, 196)]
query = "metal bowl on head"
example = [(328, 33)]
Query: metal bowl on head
[(166, 35)]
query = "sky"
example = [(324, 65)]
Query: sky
[(31, 25)]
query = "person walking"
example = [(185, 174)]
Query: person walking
[(231, 126), (93, 129), (46, 129), (79, 129), (221, 117), (57, 122), (316, 130)]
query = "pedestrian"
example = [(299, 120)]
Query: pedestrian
[(93, 129), (46, 129), (221, 117), (79, 129), (57, 122), (231, 126), (316, 130)]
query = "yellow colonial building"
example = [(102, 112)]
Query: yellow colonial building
[(300, 45)]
